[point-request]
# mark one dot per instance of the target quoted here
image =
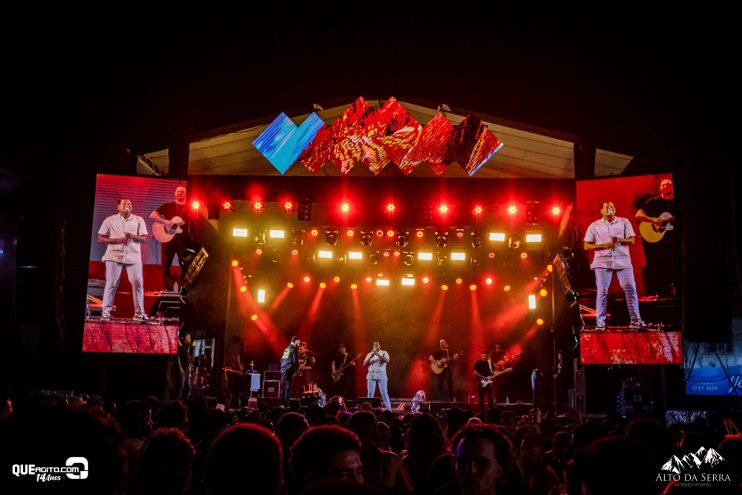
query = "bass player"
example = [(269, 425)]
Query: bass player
[(343, 373)]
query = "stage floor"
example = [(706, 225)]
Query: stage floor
[(128, 336)]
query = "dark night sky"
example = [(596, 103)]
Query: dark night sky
[(142, 79)]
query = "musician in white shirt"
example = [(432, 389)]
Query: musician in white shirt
[(376, 361), (123, 233)]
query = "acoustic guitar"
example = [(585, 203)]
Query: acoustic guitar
[(437, 366), (654, 233), (165, 233), (338, 373)]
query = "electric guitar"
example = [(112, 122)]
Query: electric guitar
[(437, 366), (164, 233), (654, 233), (339, 371), (486, 381)]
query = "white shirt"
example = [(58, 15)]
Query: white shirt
[(376, 366), (115, 227), (601, 232)]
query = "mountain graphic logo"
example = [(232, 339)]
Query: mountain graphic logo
[(693, 461)]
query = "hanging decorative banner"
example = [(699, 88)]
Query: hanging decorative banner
[(282, 141), (376, 138)]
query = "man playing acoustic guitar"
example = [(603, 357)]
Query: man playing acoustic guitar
[(170, 229), (440, 366)]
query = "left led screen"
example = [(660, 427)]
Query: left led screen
[(125, 269)]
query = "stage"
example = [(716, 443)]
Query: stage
[(128, 336)]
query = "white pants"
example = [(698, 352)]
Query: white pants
[(113, 275)]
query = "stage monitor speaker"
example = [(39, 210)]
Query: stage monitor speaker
[(272, 375), (374, 401), (271, 389)]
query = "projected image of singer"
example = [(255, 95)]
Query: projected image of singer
[(610, 237), (376, 361), (123, 233), (170, 228)]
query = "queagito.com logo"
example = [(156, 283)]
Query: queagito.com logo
[(75, 468), (704, 467)]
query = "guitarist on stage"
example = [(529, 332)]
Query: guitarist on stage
[(173, 216), (343, 373), (440, 362), (661, 241), (483, 370)]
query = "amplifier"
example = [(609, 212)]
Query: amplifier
[(272, 375), (271, 389)]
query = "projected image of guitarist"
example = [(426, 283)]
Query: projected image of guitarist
[(440, 362), (343, 372), (170, 228), (658, 226)]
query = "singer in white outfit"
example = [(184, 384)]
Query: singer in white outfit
[(610, 237), (376, 360)]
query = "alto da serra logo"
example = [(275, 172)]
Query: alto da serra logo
[(695, 468)]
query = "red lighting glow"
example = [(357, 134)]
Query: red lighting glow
[(322, 285), (506, 288), (488, 280), (350, 232), (473, 287), (254, 317), (390, 233), (307, 279), (556, 210), (290, 285), (243, 288), (523, 256), (235, 263), (288, 206), (336, 279), (478, 210), (444, 287), (426, 280), (368, 280), (390, 207), (354, 286), (196, 204), (419, 234), (543, 292), (314, 232), (257, 205), (227, 206), (512, 210), (459, 281), (539, 321), (345, 207), (443, 209)]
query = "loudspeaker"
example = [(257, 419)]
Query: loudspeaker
[(272, 375), (635, 398), (271, 389)]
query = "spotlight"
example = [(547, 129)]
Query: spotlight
[(195, 205), (390, 207), (297, 237), (512, 210), (259, 238), (288, 206), (227, 205), (441, 239), (331, 236), (367, 237), (257, 205), (556, 210), (345, 207), (402, 239), (477, 210), (420, 233)]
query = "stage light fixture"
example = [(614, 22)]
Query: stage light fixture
[(419, 233), (556, 210), (402, 239), (297, 237), (288, 206), (390, 207), (345, 207), (355, 255), (350, 232), (425, 256), (444, 287), (497, 236), (324, 254), (476, 240), (374, 258), (459, 280), (531, 301), (443, 209), (307, 279), (277, 234), (477, 210), (523, 256), (254, 317), (258, 251), (506, 288), (322, 285), (441, 239), (408, 281), (397, 253), (543, 293), (305, 210), (366, 237), (408, 259), (259, 238), (425, 280), (257, 205), (459, 233), (227, 205), (385, 253), (539, 321), (533, 213), (195, 205), (473, 287), (243, 288), (261, 296), (390, 233), (488, 280), (474, 261), (239, 232), (336, 279), (331, 236), (533, 238), (458, 256), (354, 286), (294, 252), (514, 242), (382, 282), (442, 260), (314, 232), (235, 263), (290, 285)]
